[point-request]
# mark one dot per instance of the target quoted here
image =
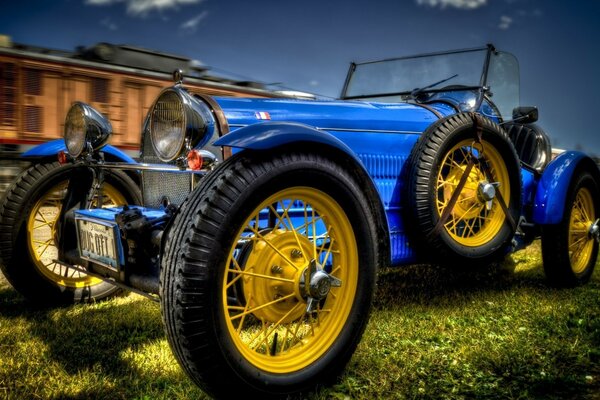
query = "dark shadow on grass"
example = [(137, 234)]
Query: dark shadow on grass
[(82, 338), (432, 284)]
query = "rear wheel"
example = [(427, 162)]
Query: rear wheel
[(268, 275), (569, 248), (28, 219)]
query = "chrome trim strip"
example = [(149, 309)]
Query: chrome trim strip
[(146, 167), (348, 130), (368, 130)]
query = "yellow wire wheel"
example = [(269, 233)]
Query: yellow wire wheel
[(569, 248), (41, 234), (269, 272), (271, 326), (474, 220), (581, 243), (29, 223), (458, 176)]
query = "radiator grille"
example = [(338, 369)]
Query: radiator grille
[(158, 185)]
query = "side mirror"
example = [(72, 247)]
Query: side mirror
[(525, 114)]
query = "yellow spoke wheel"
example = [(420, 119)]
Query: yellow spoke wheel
[(271, 327), (569, 248), (268, 274), (581, 243), (28, 225), (474, 230), (41, 233), (474, 220)]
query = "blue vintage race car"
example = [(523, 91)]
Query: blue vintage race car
[(261, 223)]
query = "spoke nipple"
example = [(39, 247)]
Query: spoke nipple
[(276, 269), (296, 253)]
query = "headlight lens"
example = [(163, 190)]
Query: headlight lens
[(75, 130), (167, 126), (84, 128), (178, 122)]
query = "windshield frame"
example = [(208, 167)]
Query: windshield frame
[(482, 88)]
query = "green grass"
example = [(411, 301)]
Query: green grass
[(434, 333)]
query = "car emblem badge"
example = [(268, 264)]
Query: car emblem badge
[(262, 115)]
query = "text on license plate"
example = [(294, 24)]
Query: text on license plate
[(97, 242)]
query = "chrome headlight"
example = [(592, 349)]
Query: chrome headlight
[(178, 122), (85, 129)]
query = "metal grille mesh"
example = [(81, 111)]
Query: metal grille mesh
[(157, 185)]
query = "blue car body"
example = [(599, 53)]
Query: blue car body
[(377, 136)]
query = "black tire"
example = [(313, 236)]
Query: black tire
[(568, 250), (40, 190), (475, 235), (199, 321)]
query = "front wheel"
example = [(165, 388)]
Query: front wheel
[(569, 248), (28, 217), (268, 275)]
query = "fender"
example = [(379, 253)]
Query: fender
[(269, 135), (51, 149), (552, 188)]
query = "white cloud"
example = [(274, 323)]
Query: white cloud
[(108, 23), (143, 7), (460, 4), (505, 22), (190, 25), (313, 83)]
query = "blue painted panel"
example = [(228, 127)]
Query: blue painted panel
[(379, 136), (327, 115), (382, 155), (108, 214), (267, 135), (529, 185), (551, 194), (51, 149)]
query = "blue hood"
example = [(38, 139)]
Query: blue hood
[(326, 115)]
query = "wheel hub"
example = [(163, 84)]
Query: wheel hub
[(486, 191), (276, 263), (319, 285), (279, 276), (594, 231), (469, 200)]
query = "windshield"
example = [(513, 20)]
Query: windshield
[(453, 76), (404, 75), (503, 80)]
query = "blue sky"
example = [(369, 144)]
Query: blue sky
[(308, 45)]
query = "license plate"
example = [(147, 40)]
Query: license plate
[(97, 242)]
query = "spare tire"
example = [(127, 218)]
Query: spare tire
[(476, 228)]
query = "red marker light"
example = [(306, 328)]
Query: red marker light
[(194, 160), (62, 157)]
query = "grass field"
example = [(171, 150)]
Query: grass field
[(434, 333)]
